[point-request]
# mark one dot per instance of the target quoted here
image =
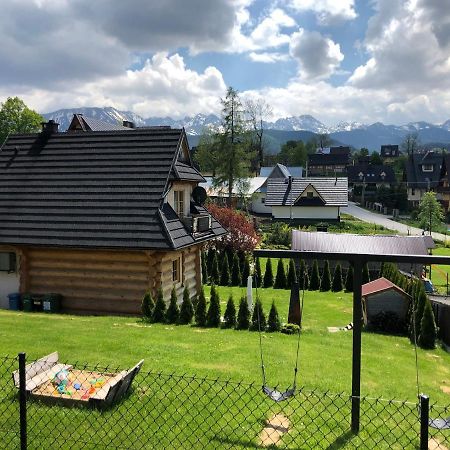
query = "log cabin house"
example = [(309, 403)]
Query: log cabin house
[(101, 216)]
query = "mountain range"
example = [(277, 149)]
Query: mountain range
[(302, 127)]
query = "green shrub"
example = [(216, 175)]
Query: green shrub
[(290, 328), (214, 274), (291, 276), (204, 268), (200, 309), (273, 322), (225, 274), (387, 322), (258, 274), (173, 312), (243, 317), (147, 306), (314, 282), (268, 275), (303, 281), (365, 274), (280, 278), (349, 279), (420, 299), (213, 314), (186, 310), (325, 283), (428, 330), (258, 317), (236, 278), (159, 311), (337, 279), (230, 314)]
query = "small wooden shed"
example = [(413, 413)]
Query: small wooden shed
[(382, 295)]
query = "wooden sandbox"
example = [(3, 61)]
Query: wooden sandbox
[(49, 380)]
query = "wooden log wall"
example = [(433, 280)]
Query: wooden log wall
[(92, 281)]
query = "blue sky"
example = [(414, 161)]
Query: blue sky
[(338, 60)]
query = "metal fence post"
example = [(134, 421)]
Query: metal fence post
[(424, 421), (22, 402)]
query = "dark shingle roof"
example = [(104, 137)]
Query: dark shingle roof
[(370, 173), (90, 189), (91, 124), (416, 177), (325, 159), (182, 171), (334, 191)]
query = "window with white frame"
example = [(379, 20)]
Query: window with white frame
[(178, 200), (427, 167)]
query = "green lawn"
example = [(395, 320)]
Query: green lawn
[(388, 368)]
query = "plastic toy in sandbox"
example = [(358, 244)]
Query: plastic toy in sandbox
[(49, 380)]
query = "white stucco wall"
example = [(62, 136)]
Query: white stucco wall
[(258, 206), (187, 189), (306, 212)]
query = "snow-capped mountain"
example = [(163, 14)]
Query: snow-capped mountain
[(350, 133)]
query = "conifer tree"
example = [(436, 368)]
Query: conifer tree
[(147, 306), (349, 279), (291, 276), (325, 283), (337, 279), (273, 323), (268, 275), (159, 311), (225, 274), (200, 309), (258, 274), (204, 269), (214, 274), (213, 314), (419, 306), (243, 318), (230, 314), (186, 310), (365, 274), (173, 312), (303, 281), (280, 278), (245, 272), (258, 317), (428, 330), (211, 252), (381, 272), (236, 278), (314, 282)]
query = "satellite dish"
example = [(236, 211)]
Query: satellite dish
[(199, 195)]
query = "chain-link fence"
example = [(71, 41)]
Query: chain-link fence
[(71, 406)]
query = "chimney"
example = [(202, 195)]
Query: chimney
[(50, 127), (128, 124)]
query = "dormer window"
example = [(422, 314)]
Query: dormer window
[(383, 175), (178, 200), (310, 194), (427, 167)]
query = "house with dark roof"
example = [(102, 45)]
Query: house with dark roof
[(84, 123), (381, 296), (390, 152), (443, 188), (369, 177), (329, 163), (303, 200), (422, 174), (101, 217)]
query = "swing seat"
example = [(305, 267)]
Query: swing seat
[(278, 396), (440, 424)]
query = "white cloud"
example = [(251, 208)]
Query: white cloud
[(319, 56), (408, 47), (268, 57), (327, 11)]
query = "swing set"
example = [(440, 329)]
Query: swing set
[(357, 260)]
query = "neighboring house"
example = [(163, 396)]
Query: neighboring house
[(101, 217), (382, 295), (365, 179), (329, 163), (444, 184), (82, 123), (302, 200), (364, 244), (390, 151), (423, 172), (281, 171)]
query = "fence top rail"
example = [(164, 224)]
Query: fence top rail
[(353, 257)]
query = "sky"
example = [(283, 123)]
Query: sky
[(337, 60)]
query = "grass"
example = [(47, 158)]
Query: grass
[(439, 272), (179, 411)]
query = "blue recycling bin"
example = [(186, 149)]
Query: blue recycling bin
[(14, 301)]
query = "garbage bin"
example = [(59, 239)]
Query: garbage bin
[(27, 302), (14, 301), (51, 303)]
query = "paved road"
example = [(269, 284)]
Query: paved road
[(380, 219)]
